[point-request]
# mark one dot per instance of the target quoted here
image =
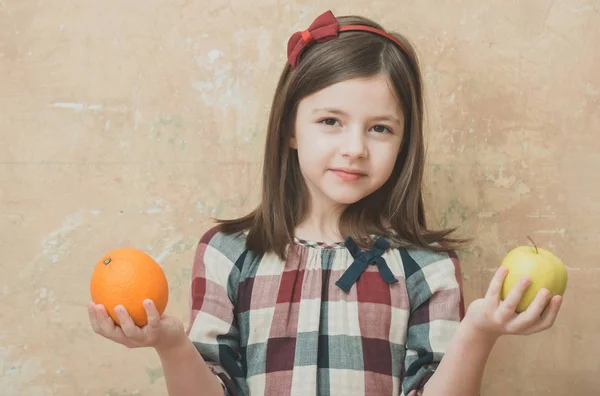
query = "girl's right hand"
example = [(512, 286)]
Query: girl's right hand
[(161, 333)]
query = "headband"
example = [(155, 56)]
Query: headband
[(324, 28)]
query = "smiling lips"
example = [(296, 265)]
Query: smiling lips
[(347, 174)]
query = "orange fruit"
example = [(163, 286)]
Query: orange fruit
[(127, 277)]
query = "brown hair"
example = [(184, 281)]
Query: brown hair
[(396, 209)]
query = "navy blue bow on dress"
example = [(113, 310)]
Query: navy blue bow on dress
[(362, 260)]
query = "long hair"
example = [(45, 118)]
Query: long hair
[(396, 209)]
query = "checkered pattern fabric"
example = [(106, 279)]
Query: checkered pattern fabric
[(272, 327), (319, 244)]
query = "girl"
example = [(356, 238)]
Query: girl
[(334, 285)]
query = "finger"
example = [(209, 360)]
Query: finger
[(105, 322), (127, 325), (551, 313), (495, 287), (107, 327), (515, 295), (152, 314), (93, 317), (532, 316)]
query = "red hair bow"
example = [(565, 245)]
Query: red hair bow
[(324, 28)]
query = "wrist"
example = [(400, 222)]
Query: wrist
[(475, 334), (174, 349)]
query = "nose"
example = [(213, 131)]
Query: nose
[(352, 144)]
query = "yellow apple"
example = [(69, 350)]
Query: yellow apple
[(545, 270)]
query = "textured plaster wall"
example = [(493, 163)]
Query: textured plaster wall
[(133, 122)]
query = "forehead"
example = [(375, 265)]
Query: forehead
[(366, 95)]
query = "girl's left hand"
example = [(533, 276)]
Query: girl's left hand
[(496, 317)]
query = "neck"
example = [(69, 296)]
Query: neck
[(321, 223)]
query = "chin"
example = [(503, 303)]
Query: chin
[(348, 198)]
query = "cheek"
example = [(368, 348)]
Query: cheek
[(311, 159), (385, 163), (313, 150)]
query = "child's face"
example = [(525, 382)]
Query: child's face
[(348, 137)]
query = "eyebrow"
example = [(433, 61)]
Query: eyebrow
[(383, 117)]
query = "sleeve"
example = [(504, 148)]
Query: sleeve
[(434, 286), (212, 328)]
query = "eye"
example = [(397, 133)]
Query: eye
[(329, 121), (381, 129)]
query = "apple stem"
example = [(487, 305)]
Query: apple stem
[(534, 245)]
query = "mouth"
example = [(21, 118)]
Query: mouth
[(347, 174)]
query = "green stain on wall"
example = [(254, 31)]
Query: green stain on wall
[(154, 373)]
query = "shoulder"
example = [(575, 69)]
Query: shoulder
[(423, 259), (231, 246), (216, 260), (424, 265), (420, 260), (218, 253), (430, 273)]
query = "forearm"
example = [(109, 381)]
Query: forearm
[(461, 370), (187, 374)]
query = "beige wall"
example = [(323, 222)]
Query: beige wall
[(132, 122)]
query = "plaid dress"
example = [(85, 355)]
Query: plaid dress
[(329, 320)]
